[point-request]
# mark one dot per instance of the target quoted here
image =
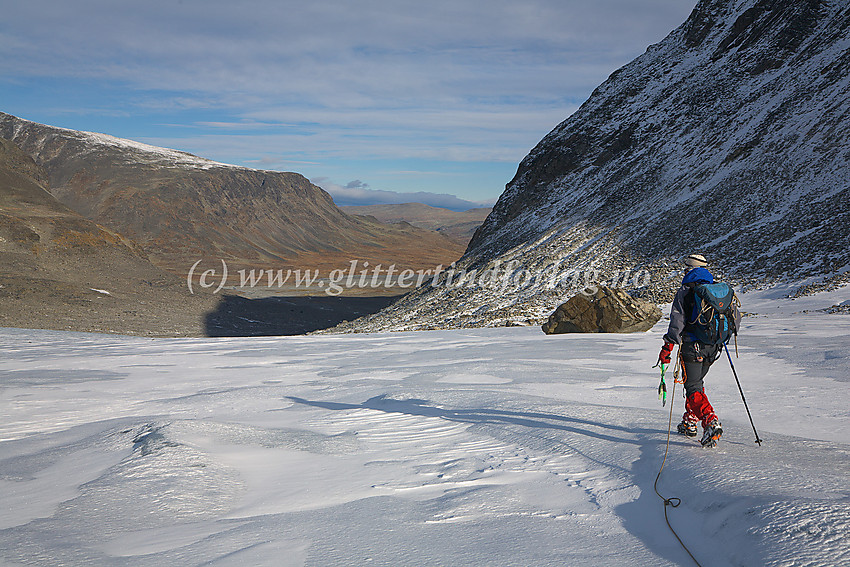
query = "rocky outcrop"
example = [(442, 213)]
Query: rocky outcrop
[(606, 310), (731, 137)]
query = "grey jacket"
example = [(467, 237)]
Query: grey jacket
[(678, 319)]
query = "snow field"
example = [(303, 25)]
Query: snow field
[(475, 447)]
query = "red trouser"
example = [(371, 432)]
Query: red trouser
[(696, 360), (697, 408)]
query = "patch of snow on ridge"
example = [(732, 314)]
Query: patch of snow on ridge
[(176, 156)]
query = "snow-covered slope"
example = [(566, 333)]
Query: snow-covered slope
[(469, 447), (730, 137)]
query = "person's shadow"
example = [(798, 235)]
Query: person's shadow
[(650, 442), (488, 416)]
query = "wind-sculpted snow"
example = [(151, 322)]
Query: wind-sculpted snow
[(474, 447), (730, 137)]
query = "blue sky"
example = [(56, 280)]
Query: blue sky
[(376, 101)]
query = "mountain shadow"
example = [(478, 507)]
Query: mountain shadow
[(237, 316)]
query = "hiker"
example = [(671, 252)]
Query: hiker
[(696, 356)]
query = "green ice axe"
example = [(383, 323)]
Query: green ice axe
[(662, 387)]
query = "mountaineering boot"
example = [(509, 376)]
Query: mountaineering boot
[(711, 433), (688, 426)]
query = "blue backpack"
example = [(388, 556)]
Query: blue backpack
[(714, 314)]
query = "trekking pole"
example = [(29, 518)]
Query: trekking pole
[(758, 440)]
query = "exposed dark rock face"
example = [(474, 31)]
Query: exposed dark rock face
[(731, 137), (697, 133)]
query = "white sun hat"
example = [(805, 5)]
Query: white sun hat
[(695, 260)]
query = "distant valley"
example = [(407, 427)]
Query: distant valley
[(459, 226)]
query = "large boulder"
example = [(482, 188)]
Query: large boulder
[(608, 310)]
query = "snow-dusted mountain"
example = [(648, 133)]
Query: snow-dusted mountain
[(182, 207), (730, 137)]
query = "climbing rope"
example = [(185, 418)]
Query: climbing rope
[(672, 502)]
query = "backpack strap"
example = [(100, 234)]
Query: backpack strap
[(692, 305)]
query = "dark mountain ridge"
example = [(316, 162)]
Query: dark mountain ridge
[(733, 125)]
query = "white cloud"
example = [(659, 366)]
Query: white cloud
[(338, 54), (280, 81)]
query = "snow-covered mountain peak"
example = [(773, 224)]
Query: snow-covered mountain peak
[(137, 151), (152, 154)]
